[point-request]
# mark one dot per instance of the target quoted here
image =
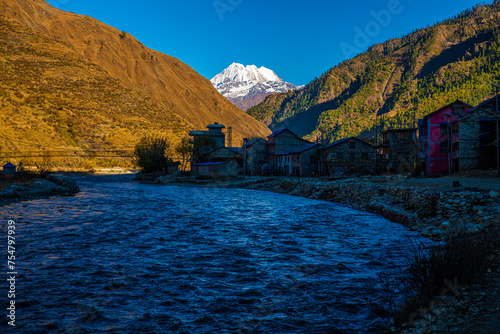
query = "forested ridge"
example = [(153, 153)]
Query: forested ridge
[(394, 83)]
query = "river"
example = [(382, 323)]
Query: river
[(125, 257)]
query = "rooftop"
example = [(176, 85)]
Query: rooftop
[(251, 142), (483, 104), (274, 134), (340, 141), (448, 106), (209, 163), (215, 126), (297, 150), (399, 130)]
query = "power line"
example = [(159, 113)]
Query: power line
[(57, 147)]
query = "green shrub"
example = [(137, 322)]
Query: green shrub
[(151, 154), (432, 272)]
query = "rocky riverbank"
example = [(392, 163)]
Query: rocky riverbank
[(435, 210), (432, 211), (53, 185)]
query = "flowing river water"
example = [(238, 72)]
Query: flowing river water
[(124, 257)]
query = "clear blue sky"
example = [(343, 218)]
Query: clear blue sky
[(299, 40)]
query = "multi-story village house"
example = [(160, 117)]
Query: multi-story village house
[(280, 141), (437, 136), (211, 158), (298, 161), (254, 156), (474, 137), (206, 141), (398, 148), (351, 155), (227, 154)]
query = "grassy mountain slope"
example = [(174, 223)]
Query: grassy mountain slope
[(71, 82), (394, 83)]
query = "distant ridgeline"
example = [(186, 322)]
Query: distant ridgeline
[(395, 83)]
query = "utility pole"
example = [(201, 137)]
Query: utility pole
[(449, 145), (229, 137), (244, 160), (376, 142), (497, 139)]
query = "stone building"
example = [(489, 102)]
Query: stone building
[(206, 141), (254, 156), (223, 154), (227, 154), (280, 141), (215, 170), (298, 161), (435, 133), (351, 155), (399, 150), (474, 138)]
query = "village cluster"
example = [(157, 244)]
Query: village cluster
[(457, 137)]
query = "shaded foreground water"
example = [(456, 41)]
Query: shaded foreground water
[(122, 257)]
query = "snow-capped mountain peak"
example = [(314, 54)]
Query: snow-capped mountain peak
[(241, 73), (247, 86)]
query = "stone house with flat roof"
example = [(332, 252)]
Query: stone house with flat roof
[(206, 141)]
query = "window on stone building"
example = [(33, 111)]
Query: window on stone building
[(352, 145), (386, 138), (352, 156), (402, 150), (444, 129), (340, 156), (404, 135), (457, 110), (339, 169), (444, 147), (486, 126)]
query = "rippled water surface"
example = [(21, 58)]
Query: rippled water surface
[(123, 257)]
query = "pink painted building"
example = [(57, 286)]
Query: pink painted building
[(435, 138)]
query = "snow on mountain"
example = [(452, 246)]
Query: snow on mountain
[(247, 86)]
